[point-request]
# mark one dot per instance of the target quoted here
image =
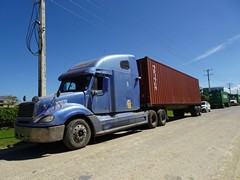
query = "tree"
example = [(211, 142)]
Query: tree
[(10, 100), (204, 97)]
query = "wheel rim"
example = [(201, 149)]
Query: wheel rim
[(80, 133)]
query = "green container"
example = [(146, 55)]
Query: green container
[(219, 99), (206, 90)]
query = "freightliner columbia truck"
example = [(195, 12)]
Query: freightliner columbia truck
[(105, 95)]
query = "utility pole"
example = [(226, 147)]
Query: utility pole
[(42, 54), (229, 87), (208, 75)]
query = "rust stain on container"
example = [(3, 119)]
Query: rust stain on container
[(163, 85)]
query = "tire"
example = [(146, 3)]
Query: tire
[(77, 134), (195, 112), (162, 117), (199, 111), (152, 119)]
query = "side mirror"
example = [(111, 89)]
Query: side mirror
[(105, 84), (58, 93)]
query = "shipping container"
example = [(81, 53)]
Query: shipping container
[(237, 97), (219, 99), (206, 90), (161, 85)]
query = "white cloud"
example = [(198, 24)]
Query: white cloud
[(216, 49), (235, 89)]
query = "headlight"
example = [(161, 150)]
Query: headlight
[(45, 119)]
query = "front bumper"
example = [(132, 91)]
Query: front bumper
[(40, 135)]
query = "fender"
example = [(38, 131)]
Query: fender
[(66, 111)]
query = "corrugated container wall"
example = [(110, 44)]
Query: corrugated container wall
[(162, 85)]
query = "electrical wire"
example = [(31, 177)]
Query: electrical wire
[(115, 11), (92, 14), (34, 29), (73, 13), (174, 51)]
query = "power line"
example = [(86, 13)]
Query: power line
[(92, 14), (93, 4), (73, 13), (127, 18), (148, 33), (107, 7), (115, 10)]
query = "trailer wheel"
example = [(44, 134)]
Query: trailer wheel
[(195, 111), (199, 111), (77, 134), (162, 117), (152, 119)]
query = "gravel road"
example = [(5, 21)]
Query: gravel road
[(192, 148)]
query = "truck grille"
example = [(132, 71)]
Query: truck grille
[(26, 109)]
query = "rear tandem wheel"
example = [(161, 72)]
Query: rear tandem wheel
[(152, 119)]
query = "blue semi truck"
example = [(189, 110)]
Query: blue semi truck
[(103, 96)]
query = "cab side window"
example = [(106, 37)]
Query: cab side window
[(125, 64), (98, 83)]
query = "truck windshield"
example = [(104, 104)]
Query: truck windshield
[(76, 84)]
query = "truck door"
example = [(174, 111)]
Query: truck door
[(100, 100)]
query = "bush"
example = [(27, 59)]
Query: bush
[(8, 116)]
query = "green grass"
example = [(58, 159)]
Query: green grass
[(7, 138), (169, 113)]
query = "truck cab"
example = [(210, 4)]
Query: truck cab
[(95, 97), (108, 84)]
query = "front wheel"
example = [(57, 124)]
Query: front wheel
[(77, 134)]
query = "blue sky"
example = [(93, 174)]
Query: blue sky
[(188, 35)]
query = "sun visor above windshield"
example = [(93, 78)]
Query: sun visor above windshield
[(76, 72)]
